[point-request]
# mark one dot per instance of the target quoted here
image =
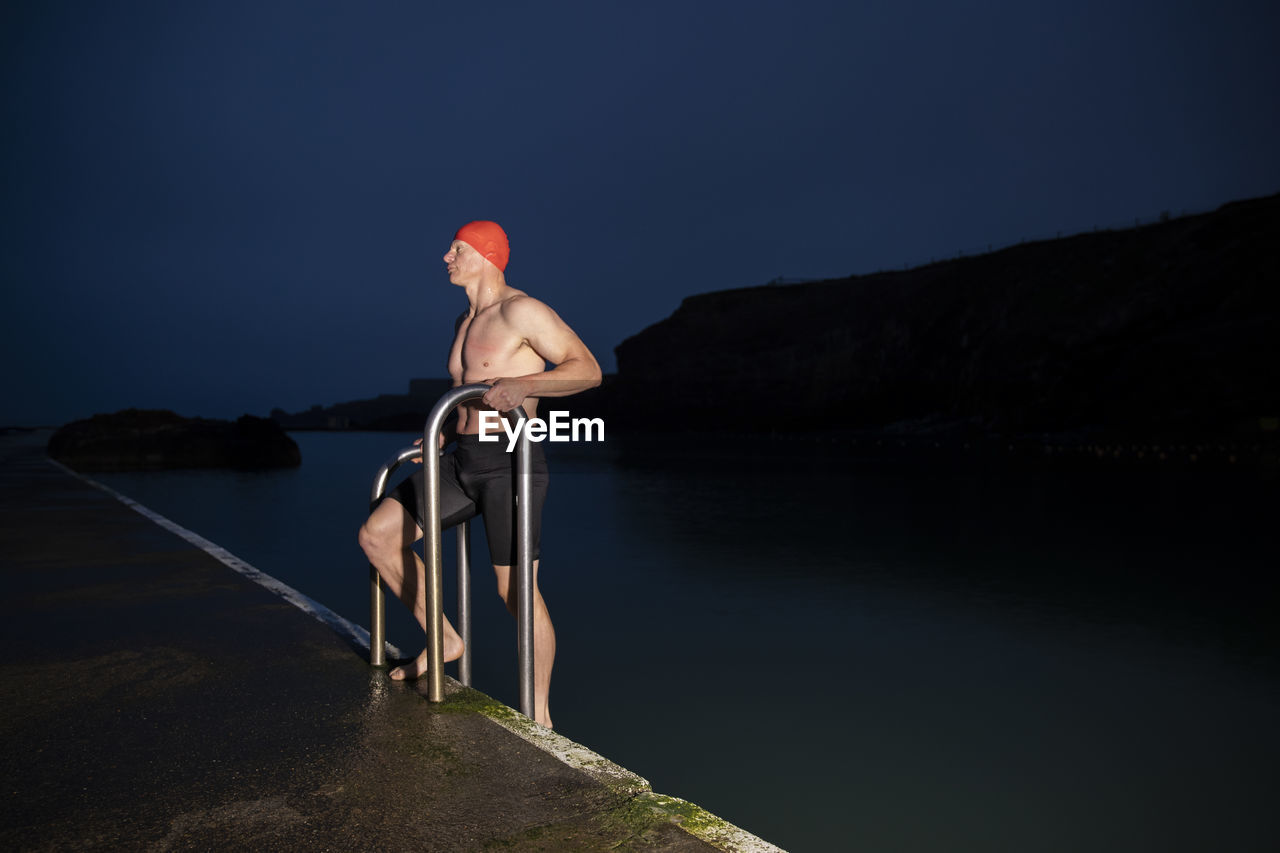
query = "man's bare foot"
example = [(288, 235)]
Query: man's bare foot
[(452, 651)]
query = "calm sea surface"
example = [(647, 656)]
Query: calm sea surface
[(835, 653)]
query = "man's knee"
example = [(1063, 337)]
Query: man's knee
[(370, 542), (507, 586), (503, 576), (381, 534)]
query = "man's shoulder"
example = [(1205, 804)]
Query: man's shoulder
[(521, 307)]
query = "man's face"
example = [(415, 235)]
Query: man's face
[(463, 262)]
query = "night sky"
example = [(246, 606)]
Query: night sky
[(227, 207)]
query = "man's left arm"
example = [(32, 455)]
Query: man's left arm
[(576, 369)]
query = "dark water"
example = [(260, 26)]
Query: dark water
[(835, 653)]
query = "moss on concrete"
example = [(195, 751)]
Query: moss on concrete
[(640, 819)]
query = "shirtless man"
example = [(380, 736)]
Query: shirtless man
[(505, 339)]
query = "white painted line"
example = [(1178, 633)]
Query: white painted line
[(308, 605)]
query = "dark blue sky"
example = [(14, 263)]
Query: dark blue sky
[(224, 207)]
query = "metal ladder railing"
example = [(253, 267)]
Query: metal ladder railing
[(432, 538)]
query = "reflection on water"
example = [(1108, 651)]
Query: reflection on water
[(835, 653)]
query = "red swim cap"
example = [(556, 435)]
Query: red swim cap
[(488, 239)]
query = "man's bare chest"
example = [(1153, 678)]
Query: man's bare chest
[(486, 341)]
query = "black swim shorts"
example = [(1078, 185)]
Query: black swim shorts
[(479, 476)]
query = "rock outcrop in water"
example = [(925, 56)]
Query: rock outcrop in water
[(395, 412), (142, 440), (1169, 331)]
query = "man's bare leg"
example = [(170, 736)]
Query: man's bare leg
[(544, 638), (387, 539)]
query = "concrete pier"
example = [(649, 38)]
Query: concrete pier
[(151, 698)]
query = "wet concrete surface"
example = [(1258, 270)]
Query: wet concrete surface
[(153, 699)]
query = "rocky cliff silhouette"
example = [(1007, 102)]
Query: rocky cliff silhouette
[(1163, 332)]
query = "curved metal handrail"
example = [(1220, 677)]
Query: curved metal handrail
[(377, 597), (432, 538), (385, 472)]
